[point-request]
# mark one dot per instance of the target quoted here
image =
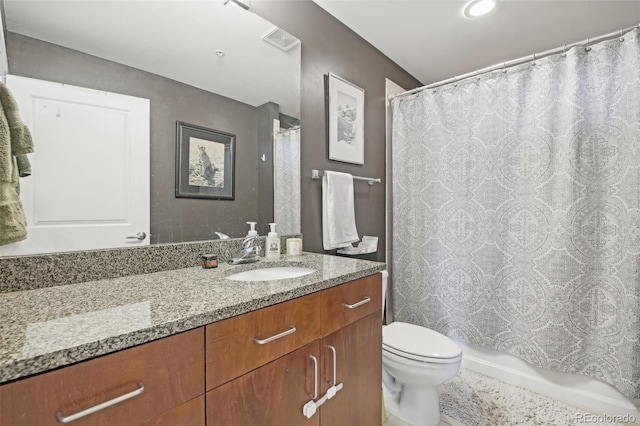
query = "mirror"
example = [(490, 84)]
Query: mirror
[(200, 62)]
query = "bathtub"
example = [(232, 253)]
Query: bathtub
[(591, 394)]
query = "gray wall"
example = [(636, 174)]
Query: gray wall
[(329, 46), (172, 219)]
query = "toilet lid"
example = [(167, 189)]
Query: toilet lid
[(411, 339)]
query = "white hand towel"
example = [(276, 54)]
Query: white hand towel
[(338, 212)]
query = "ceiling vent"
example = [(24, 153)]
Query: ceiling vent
[(281, 39)]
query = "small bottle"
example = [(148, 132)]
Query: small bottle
[(252, 229), (272, 244), (294, 246), (208, 261)]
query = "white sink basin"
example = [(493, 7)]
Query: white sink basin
[(271, 274)]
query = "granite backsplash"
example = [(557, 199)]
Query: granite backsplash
[(48, 270)]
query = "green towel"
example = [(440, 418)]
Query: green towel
[(16, 229), (21, 141), (24, 166), (15, 138), (13, 225), (15, 143)]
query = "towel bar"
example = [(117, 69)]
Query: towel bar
[(316, 174)]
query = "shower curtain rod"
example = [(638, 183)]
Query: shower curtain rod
[(530, 58)]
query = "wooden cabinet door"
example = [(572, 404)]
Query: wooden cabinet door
[(358, 363), (274, 394)]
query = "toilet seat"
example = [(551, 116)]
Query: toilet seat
[(418, 343)]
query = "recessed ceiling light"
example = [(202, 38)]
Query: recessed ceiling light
[(476, 8), (220, 53)]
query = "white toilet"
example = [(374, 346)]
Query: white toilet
[(415, 360)]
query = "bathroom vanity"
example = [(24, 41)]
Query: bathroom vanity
[(188, 347)]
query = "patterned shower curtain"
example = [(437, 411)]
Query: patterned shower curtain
[(286, 181), (516, 211)]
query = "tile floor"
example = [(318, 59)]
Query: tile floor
[(473, 399)]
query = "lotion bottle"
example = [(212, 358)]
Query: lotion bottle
[(252, 231), (272, 244)]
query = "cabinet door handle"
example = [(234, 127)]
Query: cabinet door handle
[(310, 408), (315, 377), (68, 419), (366, 299), (276, 337), (333, 353), (334, 385)]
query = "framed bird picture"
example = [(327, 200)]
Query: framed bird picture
[(205, 162)]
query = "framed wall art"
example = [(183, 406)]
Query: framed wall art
[(205, 163), (346, 121)]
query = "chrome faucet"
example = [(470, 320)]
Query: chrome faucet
[(249, 252), (221, 235)]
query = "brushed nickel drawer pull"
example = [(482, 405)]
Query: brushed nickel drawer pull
[(68, 419), (366, 299), (276, 337)]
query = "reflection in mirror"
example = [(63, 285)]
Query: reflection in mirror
[(286, 178), (200, 62)]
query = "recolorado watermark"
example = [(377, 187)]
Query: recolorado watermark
[(605, 418)]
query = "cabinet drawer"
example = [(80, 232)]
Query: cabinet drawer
[(158, 376), (237, 345), (347, 303)]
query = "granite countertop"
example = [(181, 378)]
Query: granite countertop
[(51, 327)]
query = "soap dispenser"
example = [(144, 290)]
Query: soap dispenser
[(252, 229), (273, 244)]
